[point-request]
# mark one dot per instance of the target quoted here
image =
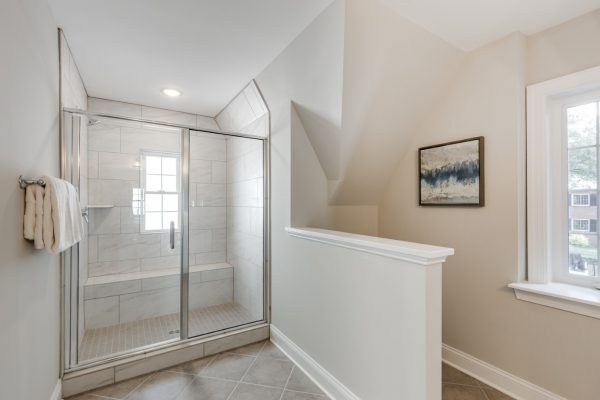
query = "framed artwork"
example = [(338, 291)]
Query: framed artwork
[(451, 174)]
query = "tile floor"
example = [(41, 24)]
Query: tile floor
[(100, 342), (258, 371), (457, 385)]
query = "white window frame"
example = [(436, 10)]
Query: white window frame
[(583, 195), (177, 158), (546, 218)]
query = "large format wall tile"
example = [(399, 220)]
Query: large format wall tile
[(111, 192), (118, 166), (101, 312), (128, 246), (102, 106), (206, 148), (207, 217), (136, 140), (104, 221), (104, 138), (113, 267), (142, 305), (168, 116)]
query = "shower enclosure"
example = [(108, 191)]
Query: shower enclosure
[(175, 235)]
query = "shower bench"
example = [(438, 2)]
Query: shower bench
[(115, 299)]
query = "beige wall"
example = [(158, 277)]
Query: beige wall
[(551, 348), (29, 279), (566, 48)]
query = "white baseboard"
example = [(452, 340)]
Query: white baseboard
[(508, 383), (320, 376), (57, 392)]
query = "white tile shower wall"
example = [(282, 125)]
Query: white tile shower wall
[(245, 221), (74, 95), (246, 113), (121, 109), (119, 244)]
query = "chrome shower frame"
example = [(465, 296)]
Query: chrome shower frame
[(70, 164)]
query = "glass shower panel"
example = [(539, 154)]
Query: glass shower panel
[(131, 278), (226, 178)]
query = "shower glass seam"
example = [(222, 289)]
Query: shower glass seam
[(184, 228)]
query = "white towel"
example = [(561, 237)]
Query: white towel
[(38, 237), (29, 217), (62, 221)]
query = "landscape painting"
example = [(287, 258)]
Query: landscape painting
[(451, 174)]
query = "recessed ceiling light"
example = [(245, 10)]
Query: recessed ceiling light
[(171, 92)]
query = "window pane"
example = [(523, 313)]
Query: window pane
[(153, 165), (582, 168), (153, 183), (169, 166), (167, 218), (153, 202), (152, 221), (169, 183), (581, 125), (170, 202), (583, 254)]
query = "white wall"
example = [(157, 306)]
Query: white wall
[(29, 279), (551, 348)]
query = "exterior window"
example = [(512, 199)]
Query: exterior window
[(580, 199), (160, 176), (580, 131), (580, 225)]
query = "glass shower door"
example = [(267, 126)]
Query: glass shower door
[(226, 219), (130, 279)]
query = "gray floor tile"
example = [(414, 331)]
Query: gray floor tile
[(452, 375), (461, 392), (228, 366), (249, 350), (253, 392), (122, 389), (192, 367), (272, 351), (290, 395), (270, 372), (207, 389), (302, 383), (163, 385)]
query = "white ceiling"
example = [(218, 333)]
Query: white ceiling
[(469, 24), (208, 49)]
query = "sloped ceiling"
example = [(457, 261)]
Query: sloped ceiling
[(469, 24)]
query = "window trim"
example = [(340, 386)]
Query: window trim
[(177, 192), (540, 223)]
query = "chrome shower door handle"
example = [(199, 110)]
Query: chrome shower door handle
[(172, 234)]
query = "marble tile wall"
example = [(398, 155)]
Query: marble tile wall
[(245, 221), (113, 303), (117, 241), (246, 113)]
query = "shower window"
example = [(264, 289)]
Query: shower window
[(160, 177)]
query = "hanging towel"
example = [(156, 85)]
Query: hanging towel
[(38, 236), (29, 217), (62, 221)]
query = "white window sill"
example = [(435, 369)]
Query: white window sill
[(575, 299)]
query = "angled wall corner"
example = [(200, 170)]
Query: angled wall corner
[(245, 113)]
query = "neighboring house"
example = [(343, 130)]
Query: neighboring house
[(583, 231)]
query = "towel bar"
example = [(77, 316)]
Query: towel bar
[(23, 183)]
